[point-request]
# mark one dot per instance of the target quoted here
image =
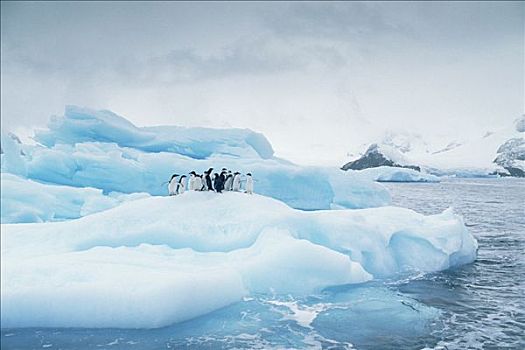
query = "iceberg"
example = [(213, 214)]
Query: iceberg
[(396, 174), (115, 169), (90, 239), (154, 261), (12, 155), (99, 149), (25, 201), (80, 125)]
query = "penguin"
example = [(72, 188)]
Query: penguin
[(236, 183), (209, 185), (191, 181), (203, 180), (249, 183), (197, 183), (223, 179), (217, 183), (182, 185), (228, 183), (172, 185), (231, 183)]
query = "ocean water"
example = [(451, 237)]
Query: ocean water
[(483, 304), (477, 306)]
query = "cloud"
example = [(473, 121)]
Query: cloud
[(241, 58), (315, 75), (336, 20)]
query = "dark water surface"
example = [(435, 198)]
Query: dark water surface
[(478, 306)]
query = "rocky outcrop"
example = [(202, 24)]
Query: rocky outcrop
[(374, 157), (511, 156)]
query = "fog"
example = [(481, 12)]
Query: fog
[(320, 80)]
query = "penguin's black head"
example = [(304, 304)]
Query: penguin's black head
[(249, 174)]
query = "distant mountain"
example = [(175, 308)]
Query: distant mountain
[(511, 156), (499, 152), (379, 155)]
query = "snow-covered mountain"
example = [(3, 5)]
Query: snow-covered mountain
[(495, 152), (511, 156), (378, 156)]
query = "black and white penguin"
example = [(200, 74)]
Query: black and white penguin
[(172, 185), (181, 185), (236, 183), (217, 183), (249, 183), (223, 179), (197, 183), (191, 181), (207, 178), (228, 183)]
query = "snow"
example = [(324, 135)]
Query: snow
[(154, 261), (468, 158), (520, 123), (26, 201), (101, 150), (476, 154), (475, 157), (392, 153), (511, 154), (395, 174)]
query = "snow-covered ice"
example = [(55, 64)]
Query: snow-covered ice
[(108, 248), (80, 125), (154, 261), (24, 200), (12, 155), (112, 168), (99, 149)]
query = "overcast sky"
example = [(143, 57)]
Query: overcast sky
[(318, 79)]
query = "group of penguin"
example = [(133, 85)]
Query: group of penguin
[(225, 181)]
